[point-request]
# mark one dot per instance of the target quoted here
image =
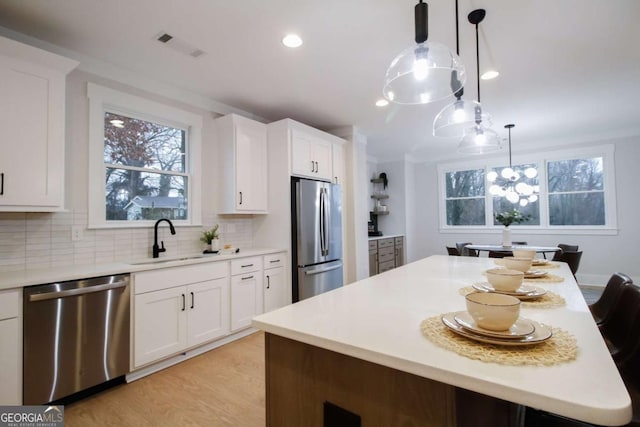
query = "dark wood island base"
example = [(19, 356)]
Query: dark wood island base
[(300, 378)]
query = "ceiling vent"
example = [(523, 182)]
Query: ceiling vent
[(179, 45)]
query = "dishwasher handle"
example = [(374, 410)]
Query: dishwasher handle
[(77, 291)]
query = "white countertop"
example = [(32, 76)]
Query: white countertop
[(19, 279), (378, 320), (389, 236)]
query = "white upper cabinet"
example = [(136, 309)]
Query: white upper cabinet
[(32, 119), (337, 152), (310, 156), (243, 163)]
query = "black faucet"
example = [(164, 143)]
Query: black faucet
[(157, 249)]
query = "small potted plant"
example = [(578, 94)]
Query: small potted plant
[(507, 218), (211, 238)]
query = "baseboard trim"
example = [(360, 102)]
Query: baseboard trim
[(174, 360)]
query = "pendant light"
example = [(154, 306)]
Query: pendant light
[(422, 73), (478, 138), (453, 119), (508, 183)]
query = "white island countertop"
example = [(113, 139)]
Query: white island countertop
[(378, 320)]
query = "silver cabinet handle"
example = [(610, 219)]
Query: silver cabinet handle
[(247, 278), (246, 265), (77, 291), (240, 197), (274, 260), (268, 282), (312, 166)]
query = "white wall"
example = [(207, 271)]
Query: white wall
[(602, 256), (39, 240)]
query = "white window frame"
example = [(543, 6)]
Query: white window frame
[(607, 152), (102, 99)]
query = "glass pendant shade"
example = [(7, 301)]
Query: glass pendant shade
[(422, 73), (453, 119), (479, 139)]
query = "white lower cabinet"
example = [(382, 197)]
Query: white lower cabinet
[(171, 320), (10, 348), (246, 291), (274, 283)]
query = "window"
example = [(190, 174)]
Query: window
[(465, 197), (576, 192), (142, 161)]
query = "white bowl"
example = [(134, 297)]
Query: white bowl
[(495, 312), (524, 253), (504, 279), (515, 263)]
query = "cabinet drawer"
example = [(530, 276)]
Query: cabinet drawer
[(386, 266), (373, 245), (9, 304), (165, 278), (399, 241), (386, 251), (274, 260), (385, 243), (389, 256), (246, 265)]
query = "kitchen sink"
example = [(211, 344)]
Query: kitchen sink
[(163, 260)]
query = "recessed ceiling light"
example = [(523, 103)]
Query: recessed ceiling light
[(292, 40), (491, 74), (382, 103)]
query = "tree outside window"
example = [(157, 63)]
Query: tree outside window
[(146, 176), (465, 197)]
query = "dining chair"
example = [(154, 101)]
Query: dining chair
[(622, 331), (464, 251), (564, 248), (500, 254), (519, 243), (601, 309), (453, 251), (572, 258)]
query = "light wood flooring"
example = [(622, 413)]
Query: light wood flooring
[(223, 387)]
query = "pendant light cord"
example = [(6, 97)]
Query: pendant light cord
[(478, 62)]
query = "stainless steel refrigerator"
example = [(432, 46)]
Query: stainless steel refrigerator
[(317, 237)]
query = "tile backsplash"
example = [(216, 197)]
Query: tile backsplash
[(41, 240)]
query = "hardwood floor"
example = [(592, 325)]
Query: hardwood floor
[(223, 387)]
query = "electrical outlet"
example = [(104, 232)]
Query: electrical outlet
[(76, 233)]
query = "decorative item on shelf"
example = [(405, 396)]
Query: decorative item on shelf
[(380, 194), (508, 218), (510, 183), (212, 239), (424, 72), (454, 118), (478, 138)]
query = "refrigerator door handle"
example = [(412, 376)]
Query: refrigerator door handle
[(322, 224), (324, 270), (327, 221)]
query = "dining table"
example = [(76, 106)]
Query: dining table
[(377, 351), (501, 248)]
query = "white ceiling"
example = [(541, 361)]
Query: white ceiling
[(570, 69)]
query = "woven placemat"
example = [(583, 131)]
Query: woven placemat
[(548, 300), (562, 347)]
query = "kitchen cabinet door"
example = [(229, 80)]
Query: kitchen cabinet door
[(310, 156), (208, 311), (246, 299), (160, 324), (274, 288), (243, 164), (32, 118), (337, 153)]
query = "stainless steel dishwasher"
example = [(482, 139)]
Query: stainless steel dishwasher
[(76, 336)]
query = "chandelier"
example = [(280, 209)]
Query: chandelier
[(511, 183)]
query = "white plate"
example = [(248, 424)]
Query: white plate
[(538, 262), (541, 334), (521, 328), (534, 274), (524, 292)]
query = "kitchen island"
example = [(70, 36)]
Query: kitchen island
[(361, 348)]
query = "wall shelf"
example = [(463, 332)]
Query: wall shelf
[(379, 196), (380, 212)]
